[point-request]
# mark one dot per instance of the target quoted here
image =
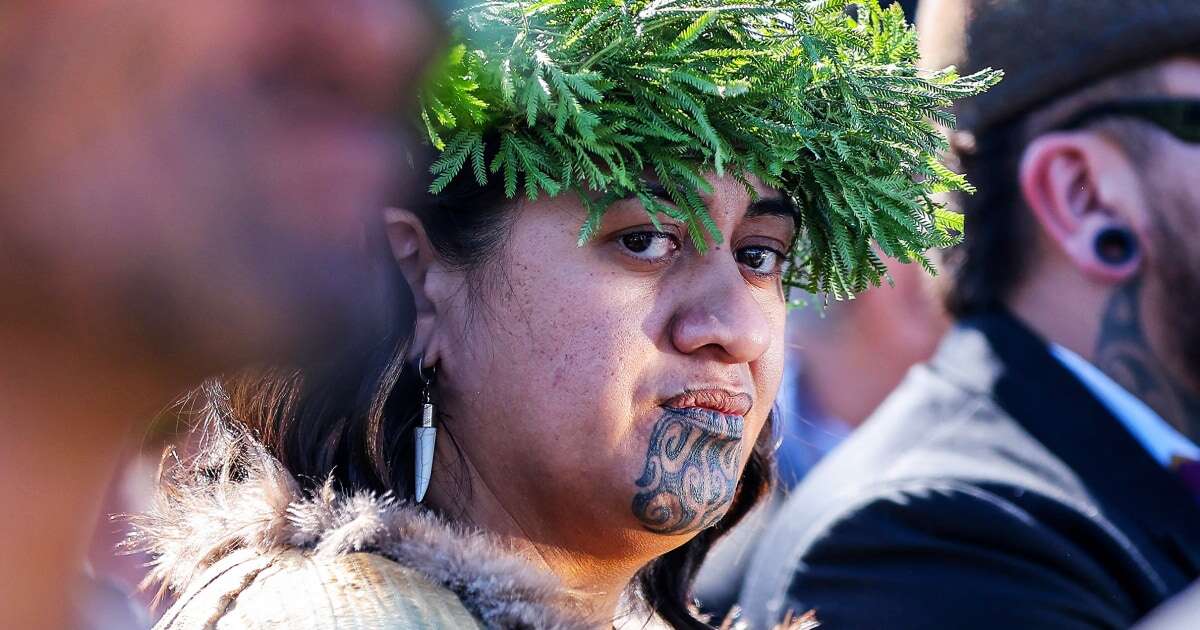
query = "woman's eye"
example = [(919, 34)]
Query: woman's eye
[(649, 246), (761, 260)]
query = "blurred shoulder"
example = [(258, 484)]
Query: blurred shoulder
[(297, 591), (939, 478), (873, 559), (931, 454), (929, 431)]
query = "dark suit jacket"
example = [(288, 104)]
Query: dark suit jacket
[(991, 490)]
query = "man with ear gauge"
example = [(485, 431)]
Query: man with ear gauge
[(1041, 470)]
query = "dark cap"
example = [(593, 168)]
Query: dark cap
[(1049, 48)]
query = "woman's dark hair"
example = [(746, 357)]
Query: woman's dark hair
[(351, 420)]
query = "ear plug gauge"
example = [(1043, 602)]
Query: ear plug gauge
[(1116, 246)]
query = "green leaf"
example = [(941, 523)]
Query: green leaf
[(692, 32), (587, 97)]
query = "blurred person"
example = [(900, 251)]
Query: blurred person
[(843, 359), (180, 189), (1039, 471), (564, 420)]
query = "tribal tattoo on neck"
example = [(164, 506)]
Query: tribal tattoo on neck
[(691, 471), (1124, 353)]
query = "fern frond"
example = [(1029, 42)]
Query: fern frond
[(821, 99)]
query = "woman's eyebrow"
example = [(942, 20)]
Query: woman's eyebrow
[(772, 206), (660, 191), (654, 188)]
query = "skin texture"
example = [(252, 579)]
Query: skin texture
[(1135, 321), (557, 366), (180, 189)]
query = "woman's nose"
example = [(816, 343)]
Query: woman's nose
[(722, 317)]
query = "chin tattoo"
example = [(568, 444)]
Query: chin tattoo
[(690, 474)]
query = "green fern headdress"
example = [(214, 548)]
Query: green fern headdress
[(819, 101)]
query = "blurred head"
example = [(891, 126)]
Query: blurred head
[(187, 180), (850, 355), (1075, 186), (1064, 177), (613, 398), (1130, 174)]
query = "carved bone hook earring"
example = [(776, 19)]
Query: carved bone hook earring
[(425, 434), (1116, 246)]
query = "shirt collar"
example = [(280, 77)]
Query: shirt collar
[(1158, 437)]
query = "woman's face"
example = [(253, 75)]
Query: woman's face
[(622, 382)]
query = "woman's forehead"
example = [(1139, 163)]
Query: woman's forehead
[(730, 196), (727, 192)]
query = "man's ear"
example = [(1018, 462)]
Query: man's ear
[(417, 261), (1080, 189)]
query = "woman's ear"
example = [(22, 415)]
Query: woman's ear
[(417, 261), (1081, 188)]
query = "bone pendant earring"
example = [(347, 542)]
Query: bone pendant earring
[(425, 434)]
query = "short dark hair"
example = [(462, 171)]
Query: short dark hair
[(998, 250)]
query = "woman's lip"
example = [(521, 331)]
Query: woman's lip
[(720, 425), (718, 400)]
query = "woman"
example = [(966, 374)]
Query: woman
[(562, 423)]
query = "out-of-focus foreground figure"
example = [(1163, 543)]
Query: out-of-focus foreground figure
[(180, 192), (1041, 471)]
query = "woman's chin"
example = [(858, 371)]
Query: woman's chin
[(688, 478)]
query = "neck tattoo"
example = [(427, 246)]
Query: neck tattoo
[(690, 474), (1124, 353)]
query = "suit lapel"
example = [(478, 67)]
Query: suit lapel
[(1185, 551), (998, 355)]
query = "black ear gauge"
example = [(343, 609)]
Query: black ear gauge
[(1116, 246)]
